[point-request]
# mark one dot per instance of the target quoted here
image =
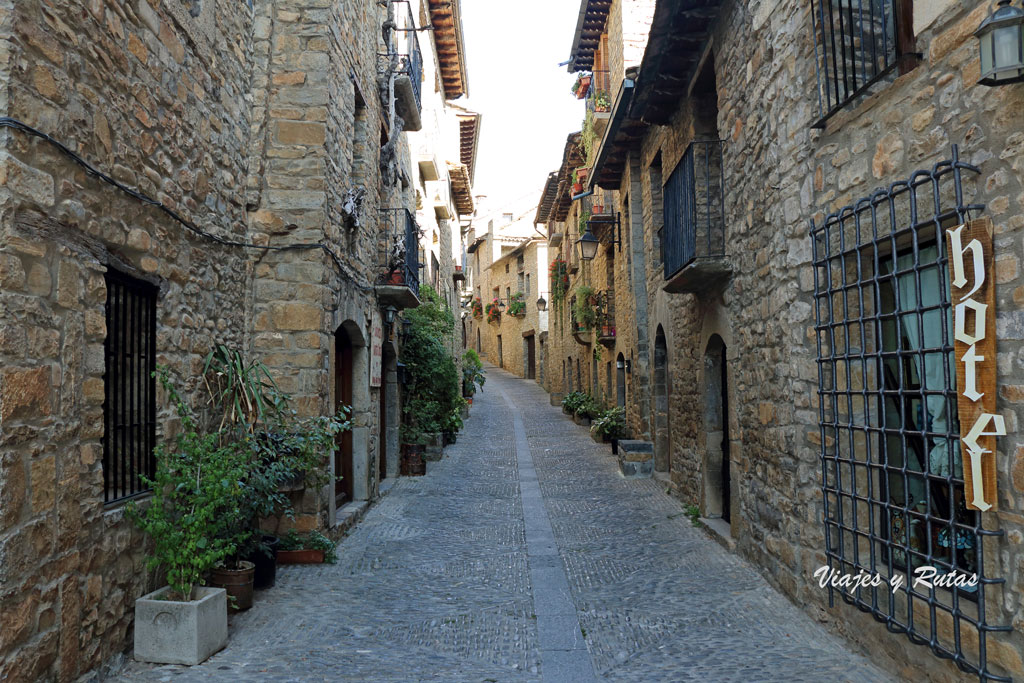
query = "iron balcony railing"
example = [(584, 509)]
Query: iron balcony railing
[(411, 63), (599, 95), (606, 315), (402, 258), (694, 204)]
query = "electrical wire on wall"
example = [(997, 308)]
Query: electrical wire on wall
[(8, 122)]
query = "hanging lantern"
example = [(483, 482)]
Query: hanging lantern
[(1001, 38), (588, 245)]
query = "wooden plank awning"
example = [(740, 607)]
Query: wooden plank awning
[(446, 19), (572, 158), (547, 198), (469, 138), (680, 33), (462, 188), (589, 27)]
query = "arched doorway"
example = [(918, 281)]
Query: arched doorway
[(662, 425), (343, 373), (620, 381), (716, 430)]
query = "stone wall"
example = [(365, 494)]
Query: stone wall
[(132, 88)]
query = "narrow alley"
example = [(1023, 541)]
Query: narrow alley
[(524, 555)]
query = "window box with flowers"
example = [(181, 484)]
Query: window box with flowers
[(493, 311), (517, 307), (477, 308)]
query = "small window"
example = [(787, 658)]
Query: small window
[(856, 44), (129, 406)]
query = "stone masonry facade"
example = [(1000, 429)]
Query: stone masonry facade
[(780, 175), (254, 121)]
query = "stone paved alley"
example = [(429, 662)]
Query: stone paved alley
[(523, 555)]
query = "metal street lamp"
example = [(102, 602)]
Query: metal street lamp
[(1001, 38), (588, 245), (389, 315), (542, 304)]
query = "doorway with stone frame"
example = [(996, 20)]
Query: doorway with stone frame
[(717, 475), (662, 424)]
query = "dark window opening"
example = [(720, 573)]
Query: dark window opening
[(129, 406), (858, 43)]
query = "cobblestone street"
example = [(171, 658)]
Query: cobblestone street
[(523, 555)]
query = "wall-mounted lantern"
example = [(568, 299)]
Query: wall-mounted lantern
[(1001, 38), (542, 304), (588, 244)]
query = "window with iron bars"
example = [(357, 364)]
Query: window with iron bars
[(857, 43), (129, 406), (891, 466)]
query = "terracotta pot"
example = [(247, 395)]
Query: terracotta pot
[(598, 208), (305, 556), (237, 582), (577, 188), (397, 278)]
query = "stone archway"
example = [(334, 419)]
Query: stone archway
[(717, 473), (662, 386)]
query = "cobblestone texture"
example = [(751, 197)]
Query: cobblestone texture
[(435, 583)]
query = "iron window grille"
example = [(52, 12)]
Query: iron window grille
[(892, 475), (129, 406), (694, 208), (856, 44)]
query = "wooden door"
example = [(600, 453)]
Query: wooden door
[(343, 396)]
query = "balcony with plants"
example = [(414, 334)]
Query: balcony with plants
[(407, 62), (399, 282)]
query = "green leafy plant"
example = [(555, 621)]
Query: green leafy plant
[(313, 540), (582, 222), (573, 400), (611, 424), (434, 390), (558, 276), (693, 512), (244, 391), (602, 101), (517, 306), (477, 308), (588, 407), (473, 375), (198, 497), (585, 308)]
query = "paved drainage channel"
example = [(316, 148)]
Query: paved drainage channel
[(563, 652)]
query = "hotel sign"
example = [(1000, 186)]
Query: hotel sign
[(972, 287)]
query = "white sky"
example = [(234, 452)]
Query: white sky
[(513, 52)]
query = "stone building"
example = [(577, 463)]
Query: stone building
[(795, 312), (249, 182), (502, 263)]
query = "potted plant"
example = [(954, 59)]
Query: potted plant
[(254, 416), (310, 548), (493, 311), (412, 462), (477, 307), (572, 401), (473, 376), (517, 307), (610, 426), (585, 308), (196, 494), (582, 84), (586, 410), (602, 101)]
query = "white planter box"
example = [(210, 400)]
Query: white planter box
[(168, 632)]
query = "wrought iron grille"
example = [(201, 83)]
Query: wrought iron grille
[(606, 315), (694, 203), (892, 475), (129, 406), (402, 240), (855, 45)]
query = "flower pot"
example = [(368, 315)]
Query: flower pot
[(397, 278), (412, 463), (577, 188), (237, 582), (581, 173), (581, 420), (265, 564), (598, 208), (304, 556), (171, 632)]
